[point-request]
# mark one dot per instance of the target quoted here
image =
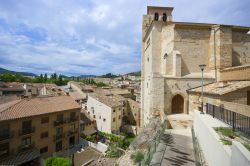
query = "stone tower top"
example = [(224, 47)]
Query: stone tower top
[(160, 13)]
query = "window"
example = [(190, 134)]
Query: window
[(44, 150), (119, 116), (88, 112), (73, 115), (72, 127), (93, 110), (45, 120), (26, 124), (113, 119), (135, 114), (59, 117), (100, 117), (94, 116), (29, 90), (4, 149), (44, 134), (4, 131), (59, 130), (26, 141), (113, 111), (164, 18), (148, 59), (156, 16), (104, 120), (58, 146)]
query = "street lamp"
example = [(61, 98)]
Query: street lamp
[(202, 67)]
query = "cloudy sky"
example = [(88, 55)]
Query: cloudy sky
[(75, 37)]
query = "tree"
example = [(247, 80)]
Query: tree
[(45, 77), (57, 161)]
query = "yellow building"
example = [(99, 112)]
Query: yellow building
[(39, 127)]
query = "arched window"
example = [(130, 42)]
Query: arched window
[(156, 16), (164, 18)]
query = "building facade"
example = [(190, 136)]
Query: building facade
[(171, 55), (39, 127)]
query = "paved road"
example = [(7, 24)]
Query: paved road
[(175, 149)]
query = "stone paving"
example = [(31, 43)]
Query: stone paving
[(175, 148)]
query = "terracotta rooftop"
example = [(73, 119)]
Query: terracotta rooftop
[(11, 86), (221, 88), (37, 106), (110, 100)]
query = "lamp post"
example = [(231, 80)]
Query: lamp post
[(202, 67)]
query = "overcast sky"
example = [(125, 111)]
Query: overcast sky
[(75, 37)]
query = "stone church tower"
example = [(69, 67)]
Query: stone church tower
[(171, 55)]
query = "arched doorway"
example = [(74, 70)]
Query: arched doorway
[(177, 104)]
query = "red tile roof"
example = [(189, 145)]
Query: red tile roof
[(37, 106)]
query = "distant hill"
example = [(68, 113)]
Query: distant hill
[(2, 70), (138, 73), (86, 76), (109, 75)]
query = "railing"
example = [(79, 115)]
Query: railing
[(59, 122), (73, 119), (239, 122), (59, 136), (25, 147), (72, 132), (25, 131), (153, 145), (6, 136)]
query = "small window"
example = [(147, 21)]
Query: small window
[(94, 116), (119, 116), (135, 114), (156, 16), (44, 134), (44, 150), (113, 111), (45, 120), (100, 117), (148, 59), (164, 18), (113, 119), (104, 120)]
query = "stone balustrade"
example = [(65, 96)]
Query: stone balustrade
[(238, 73)]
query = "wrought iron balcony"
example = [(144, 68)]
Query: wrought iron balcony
[(26, 147), (59, 136), (73, 119), (59, 122), (6, 136), (72, 132), (25, 131)]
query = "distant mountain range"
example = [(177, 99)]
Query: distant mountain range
[(138, 73), (2, 70)]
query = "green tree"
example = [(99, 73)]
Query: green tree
[(57, 161), (45, 77)]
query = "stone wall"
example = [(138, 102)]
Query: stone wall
[(193, 45)]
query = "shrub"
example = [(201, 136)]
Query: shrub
[(57, 161), (247, 146), (137, 157), (228, 132)]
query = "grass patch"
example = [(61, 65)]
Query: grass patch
[(228, 132), (226, 142), (247, 146)]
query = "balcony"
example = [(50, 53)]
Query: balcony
[(26, 147), (59, 136), (6, 136), (72, 132), (26, 131), (59, 122), (73, 119)]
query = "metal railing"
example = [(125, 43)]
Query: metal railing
[(59, 122), (25, 131), (72, 132), (153, 144), (25, 147), (6, 136), (238, 121), (73, 119), (59, 136)]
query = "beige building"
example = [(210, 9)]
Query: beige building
[(107, 110), (171, 55), (39, 127)]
